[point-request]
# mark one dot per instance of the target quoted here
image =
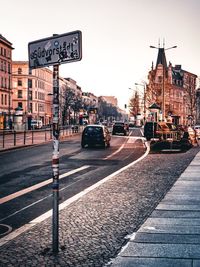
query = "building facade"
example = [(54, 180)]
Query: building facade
[(6, 109), (178, 104), (32, 92)]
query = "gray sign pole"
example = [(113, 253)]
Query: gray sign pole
[(55, 159), (56, 50)]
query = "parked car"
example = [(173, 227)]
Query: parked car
[(95, 135), (197, 131), (36, 124), (120, 128)]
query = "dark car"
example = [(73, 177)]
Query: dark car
[(95, 135), (120, 128)]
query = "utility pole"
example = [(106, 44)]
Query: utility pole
[(144, 98)]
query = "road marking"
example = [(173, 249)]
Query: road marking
[(117, 151), (66, 203), (34, 187), (131, 139)]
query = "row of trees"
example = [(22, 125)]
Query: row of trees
[(70, 101)]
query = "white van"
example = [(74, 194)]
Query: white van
[(36, 124)]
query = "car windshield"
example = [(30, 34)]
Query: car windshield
[(93, 130), (119, 124)]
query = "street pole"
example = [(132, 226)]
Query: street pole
[(144, 103), (55, 159), (163, 89), (144, 98)]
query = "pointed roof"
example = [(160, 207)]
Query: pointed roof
[(154, 106), (161, 59)]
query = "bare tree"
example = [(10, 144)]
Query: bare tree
[(68, 97), (134, 104)]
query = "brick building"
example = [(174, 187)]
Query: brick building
[(5, 82), (179, 91), (31, 92)]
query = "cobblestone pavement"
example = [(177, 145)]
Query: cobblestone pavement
[(94, 228)]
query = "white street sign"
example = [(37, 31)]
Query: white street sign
[(57, 49)]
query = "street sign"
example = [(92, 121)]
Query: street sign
[(58, 49)]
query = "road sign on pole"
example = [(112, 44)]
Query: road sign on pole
[(58, 49)]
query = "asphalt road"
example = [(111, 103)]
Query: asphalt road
[(26, 174)]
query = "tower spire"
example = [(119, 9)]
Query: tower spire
[(163, 42)]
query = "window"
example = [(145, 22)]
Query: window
[(2, 99), (31, 108), (19, 70), (29, 83), (19, 95), (30, 95), (9, 68), (5, 99), (19, 82), (9, 83), (159, 79), (20, 104)]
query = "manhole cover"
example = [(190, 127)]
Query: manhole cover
[(5, 229)]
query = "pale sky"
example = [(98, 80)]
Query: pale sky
[(116, 37)]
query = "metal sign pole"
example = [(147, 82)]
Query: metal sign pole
[(55, 159), (56, 50)]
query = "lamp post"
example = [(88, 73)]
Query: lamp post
[(144, 87), (162, 51)]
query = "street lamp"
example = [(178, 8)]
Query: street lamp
[(162, 52), (144, 87)]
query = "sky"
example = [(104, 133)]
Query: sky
[(116, 37)]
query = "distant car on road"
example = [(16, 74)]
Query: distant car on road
[(36, 124), (95, 135), (120, 128)]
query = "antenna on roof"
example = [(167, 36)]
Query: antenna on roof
[(159, 42), (163, 42)]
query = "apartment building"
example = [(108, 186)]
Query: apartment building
[(32, 92), (179, 91), (6, 109)]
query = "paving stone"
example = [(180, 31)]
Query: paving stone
[(175, 214), (172, 206), (179, 251), (170, 229), (172, 222), (141, 237), (151, 262), (196, 263)]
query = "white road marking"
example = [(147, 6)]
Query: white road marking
[(39, 185), (66, 203), (131, 139)]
